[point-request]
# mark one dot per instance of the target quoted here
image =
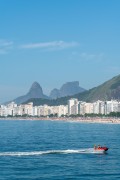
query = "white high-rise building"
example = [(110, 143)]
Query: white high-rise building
[(81, 108), (35, 111), (99, 107), (73, 106), (43, 110), (88, 108), (3, 110), (26, 109), (102, 107), (63, 110), (111, 106), (55, 110), (11, 108)]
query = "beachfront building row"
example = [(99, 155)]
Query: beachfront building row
[(13, 109), (98, 107), (73, 107)]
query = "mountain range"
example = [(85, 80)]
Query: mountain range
[(36, 92), (106, 91)]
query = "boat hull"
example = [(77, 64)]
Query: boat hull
[(101, 149)]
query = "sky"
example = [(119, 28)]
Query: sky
[(57, 41)]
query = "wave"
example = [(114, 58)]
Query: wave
[(37, 153)]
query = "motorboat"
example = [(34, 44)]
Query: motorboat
[(100, 148)]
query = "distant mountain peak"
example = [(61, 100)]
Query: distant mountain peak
[(55, 94), (34, 92), (67, 89), (36, 86)]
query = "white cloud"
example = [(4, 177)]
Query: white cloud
[(53, 45), (5, 46)]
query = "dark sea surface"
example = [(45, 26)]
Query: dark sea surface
[(53, 150)]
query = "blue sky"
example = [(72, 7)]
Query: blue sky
[(54, 42)]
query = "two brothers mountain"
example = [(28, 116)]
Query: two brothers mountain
[(107, 91)]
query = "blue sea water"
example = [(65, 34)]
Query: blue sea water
[(56, 150)]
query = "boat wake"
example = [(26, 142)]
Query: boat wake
[(37, 153)]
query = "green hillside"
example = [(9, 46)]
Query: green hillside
[(108, 90), (39, 101)]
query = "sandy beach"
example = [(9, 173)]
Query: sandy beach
[(69, 119)]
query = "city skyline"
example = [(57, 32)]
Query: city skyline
[(72, 107), (57, 42)]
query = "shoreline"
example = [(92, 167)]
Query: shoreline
[(78, 119)]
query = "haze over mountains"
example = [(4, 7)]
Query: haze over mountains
[(68, 89), (106, 91)]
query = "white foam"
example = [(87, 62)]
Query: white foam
[(37, 153)]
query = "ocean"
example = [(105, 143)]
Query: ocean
[(58, 150)]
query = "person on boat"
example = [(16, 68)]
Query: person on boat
[(98, 146)]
